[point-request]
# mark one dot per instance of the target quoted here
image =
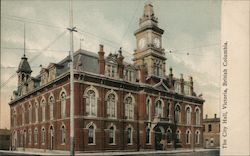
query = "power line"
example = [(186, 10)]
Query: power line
[(10, 48), (32, 59)]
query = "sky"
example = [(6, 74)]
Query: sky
[(190, 26)]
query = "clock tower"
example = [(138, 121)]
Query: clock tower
[(149, 49)]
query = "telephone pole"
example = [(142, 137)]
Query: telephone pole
[(71, 30)]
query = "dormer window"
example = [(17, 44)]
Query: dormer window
[(177, 87), (129, 75), (186, 89), (111, 70)]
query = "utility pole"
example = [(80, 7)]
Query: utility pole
[(71, 30)]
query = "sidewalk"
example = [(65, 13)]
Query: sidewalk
[(105, 153)]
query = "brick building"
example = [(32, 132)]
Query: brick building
[(211, 133), (118, 105)]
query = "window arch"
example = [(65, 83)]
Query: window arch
[(197, 116), (43, 136), (178, 136), (188, 136), (63, 134), (129, 106), (178, 113), (188, 115), (63, 103), (158, 108), (148, 108), (51, 107), (197, 137), (35, 136), (111, 100), (43, 105), (91, 133), (91, 95), (169, 135)]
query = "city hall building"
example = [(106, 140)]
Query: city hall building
[(119, 106)]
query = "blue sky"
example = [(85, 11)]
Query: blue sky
[(190, 27)]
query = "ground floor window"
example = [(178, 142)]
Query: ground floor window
[(147, 136)]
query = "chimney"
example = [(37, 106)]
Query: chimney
[(101, 60), (191, 85), (182, 84), (120, 64), (215, 116), (171, 79)]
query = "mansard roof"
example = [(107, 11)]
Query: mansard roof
[(24, 65)]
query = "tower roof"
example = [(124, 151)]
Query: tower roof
[(24, 65)]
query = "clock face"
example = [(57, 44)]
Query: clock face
[(141, 43), (157, 42)]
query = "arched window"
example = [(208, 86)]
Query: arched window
[(129, 135), (169, 136), (14, 117), (148, 136), (188, 137), (63, 104), (148, 110), (178, 136), (158, 108), (30, 113), (168, 109), (178, 114), (43, 109), (129, 107), (111, 105), (197, 137), (91, 103), (111, 135), (63, 134), (197, 116), (35, 136), (36, 111), (188, 115), (23, 115), (30, 135), (43, 135), (91, 134), (51, 107)]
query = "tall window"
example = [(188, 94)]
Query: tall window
[(209, 128), (43, 109), (111, 135), (23, 115), (188, 136), (129, 108), (188, 115), (148, 136), (30, 113), (197, 137), (91, 103), (63, 104), (35, 136), (129, 135), (51, 107), (178, 136), (158, 108), (148, 110), (63, 134), (168, 109), (30, 136), (36, 111), (197, 116), (177, 114), (91, 135), (43, 135), (111, 105), (14, 117), (169, 136)]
